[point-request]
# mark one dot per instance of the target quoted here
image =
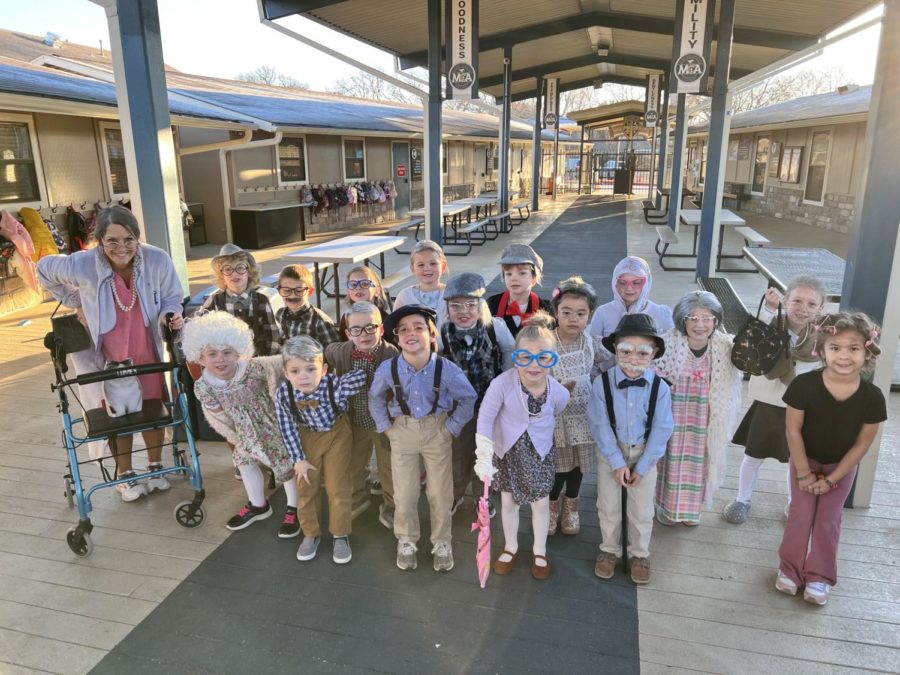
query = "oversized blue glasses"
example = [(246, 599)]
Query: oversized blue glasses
[(545, 359)]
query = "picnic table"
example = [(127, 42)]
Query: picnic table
[(350, 249), (667, 192), (477, 203), (780, 264), (496, 195), (693, 217)]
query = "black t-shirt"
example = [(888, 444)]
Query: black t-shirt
[(830, 427)]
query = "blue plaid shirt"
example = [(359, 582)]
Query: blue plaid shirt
[(319, 418)]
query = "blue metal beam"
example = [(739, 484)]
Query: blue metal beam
[(663, 142), (434, 219), (680, 138), (278, 9), (503, 187), (536, 155)]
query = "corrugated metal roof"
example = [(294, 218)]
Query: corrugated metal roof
[(806, 108)]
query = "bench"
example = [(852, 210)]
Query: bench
[(397, 277), (521, 206), (752, 237), (655, 218), (667, 237), (400, 228), (734, 312), (462, 236), (497, 223)]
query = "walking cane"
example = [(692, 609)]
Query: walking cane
[(625, 530)]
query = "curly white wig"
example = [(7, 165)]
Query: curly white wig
[(216, 329)]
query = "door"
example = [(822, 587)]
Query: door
[(480, 167), (760, 164), (400, 162)]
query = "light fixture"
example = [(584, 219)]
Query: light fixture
[(603, 50), (598, 83)]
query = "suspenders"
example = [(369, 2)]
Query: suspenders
[(329, 383), (651, 409), (398, 393)]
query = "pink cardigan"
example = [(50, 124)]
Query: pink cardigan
[(504, 417)]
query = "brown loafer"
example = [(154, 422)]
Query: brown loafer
[(540, 572), (501, 567)]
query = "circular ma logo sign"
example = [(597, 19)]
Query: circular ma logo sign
[(651, 117), (690, 67), (414, 153), (462, 76), (550, 119)]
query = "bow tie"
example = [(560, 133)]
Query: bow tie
[(363, 356), (307, 404), (624, 384), (513, 309)]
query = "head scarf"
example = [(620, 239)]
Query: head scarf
[(639, 268)]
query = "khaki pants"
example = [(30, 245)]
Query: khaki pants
[(412, 441), (639, 507), (329, 453), (363, 440)]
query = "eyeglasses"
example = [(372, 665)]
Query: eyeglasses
[(636, 283), (240, 268), (127, 242), (353, 284), (642, 351), (288, 292), (692, 318), (545, 358), (368, 329), (467, 305), (406, 330)]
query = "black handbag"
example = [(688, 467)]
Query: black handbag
[(68, 332), (758, 346)]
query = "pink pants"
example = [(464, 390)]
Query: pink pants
[(810, 544)]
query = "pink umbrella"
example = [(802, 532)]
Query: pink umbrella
[(483, 525)]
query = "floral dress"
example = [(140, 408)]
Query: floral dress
[(521, 470), (242, 410)]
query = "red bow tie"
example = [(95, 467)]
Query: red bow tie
[(363, 356)]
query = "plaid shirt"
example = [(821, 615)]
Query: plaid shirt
[(359, 403), (310, 321), (253, 308), (319, 418)]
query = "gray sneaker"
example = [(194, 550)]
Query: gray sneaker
[(443, 556), (386, 516), (406, 555), (736, 512), (341, 553), (308, 548), (131, 490), (157, 483)]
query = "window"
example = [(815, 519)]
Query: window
[(18, 169), (114, 152), (292, 160), (354, 159), (760, 163), (790, 164), (818, 163)]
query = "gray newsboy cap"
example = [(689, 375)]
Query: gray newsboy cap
[(466, 284), (230, 249), (521, 254)]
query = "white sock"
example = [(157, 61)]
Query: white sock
[(290, 491), (749, 473), (254, 483), (540, 523), (509, 514)]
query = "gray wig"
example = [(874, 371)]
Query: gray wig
[(693, 301)]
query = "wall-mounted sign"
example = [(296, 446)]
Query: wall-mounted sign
[(744, 149), (462, 48), (551, 102), (401, 170), (651, 100), (415, 159), (691, 45)]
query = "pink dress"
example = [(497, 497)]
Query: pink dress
[(131, 339)]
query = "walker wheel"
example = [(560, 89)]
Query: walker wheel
[(69, 491), (189, 515), (80, 542)]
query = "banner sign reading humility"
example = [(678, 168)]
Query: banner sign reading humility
[(551, 94), (691, 46), (462, 48), (651, 100)]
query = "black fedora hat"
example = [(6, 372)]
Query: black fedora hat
[(390, 323), (635, 324)]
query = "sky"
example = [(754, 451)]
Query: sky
[(222, 38)]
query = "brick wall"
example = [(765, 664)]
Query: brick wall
[(836, 213)]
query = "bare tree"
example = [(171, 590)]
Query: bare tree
[(368, 86), (265, 74)]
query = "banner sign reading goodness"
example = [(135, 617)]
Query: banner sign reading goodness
[(551, 102), (462, 48), (690, 49), (651, 99)]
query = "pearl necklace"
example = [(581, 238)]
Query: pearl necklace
[(118, 300)]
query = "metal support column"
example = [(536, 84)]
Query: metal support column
[(580, 159), (872, 276), (142, 98), (663, 144), (503, 188), (717, 152), (677, 161), (536, 156), (556, 148), (434, 223)]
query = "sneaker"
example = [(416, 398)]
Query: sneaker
[(131, 490), (359, 508), (640, 570), (816, 592), (386, 516), (736, 512), (605, 565), (340, 551), (456, 504), (406, 555), (248, 515), (785, 584), (663, 519), (290, 525), (376, 489), (308, 548), (156, 483), (443, 556), (237, 474)]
